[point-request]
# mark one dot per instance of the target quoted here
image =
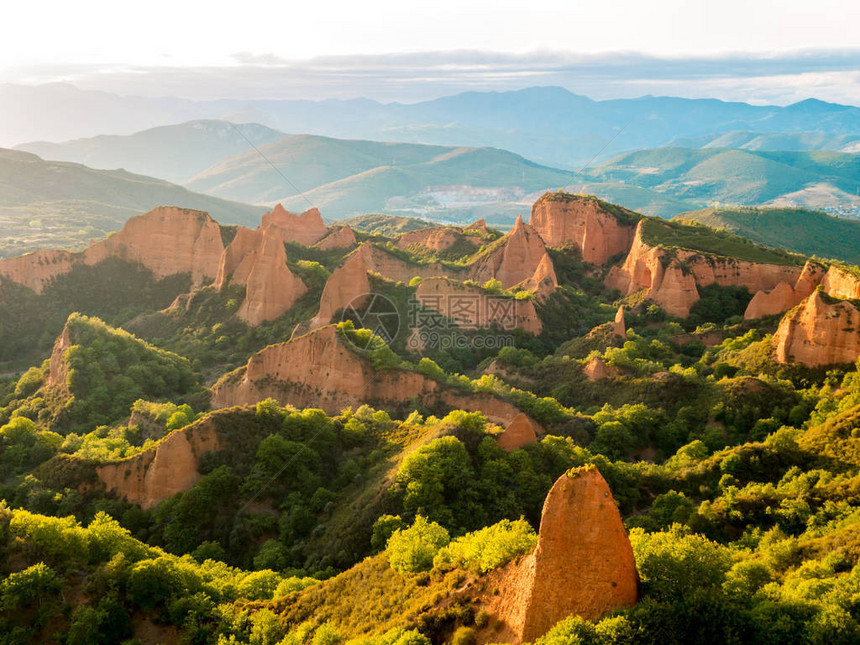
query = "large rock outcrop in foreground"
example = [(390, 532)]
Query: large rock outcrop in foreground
[(167, 240), (160, 472), (584, 222), (671, 277), (821, 331), (318, 370), (583, 564), (471, 307)]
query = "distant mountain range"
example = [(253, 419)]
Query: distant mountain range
[(46, 204), (549, 125)]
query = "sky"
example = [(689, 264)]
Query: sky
[(764, 50)]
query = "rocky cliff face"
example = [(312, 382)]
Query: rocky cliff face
[(820, 331), (341, 237), (243, 245), (784, 296), (544, 280), (35, 270), (166, 240), (520, 432), (671, 277), (515, 260), (619, 330), (349, 282), (583, 564), (318, 370), (306, 228), (160, 472), (582, 222), (270, 288), (59, 368), (840, 283), (471, 307)]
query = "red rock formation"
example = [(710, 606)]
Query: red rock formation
[(785, 296), (437, 238), (840, 283), (349, 281), (305, 229), (35, 270), (160, 472), (516, 260), (270, 287), (581, 221), (166, 240), (671, 276), (471, 307), (480, 226), (340, 237), (318, 370), (597, 370), (544, 281), (520, 432), (59, 367), (583, 564), (618, 328), (821, 331), (243, 244)]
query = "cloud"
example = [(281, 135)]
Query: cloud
[(759, 78)]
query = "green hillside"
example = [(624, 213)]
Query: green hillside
[(172, 152), (52, 204), (734, 176), (346, 177), (695, 237), (794, 229)]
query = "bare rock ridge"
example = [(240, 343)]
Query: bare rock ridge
[(471, 307), (822, 330), (516, 260), (319, 370), (305, 229), (59, 367), (583, 564), (270, 286), (166, 240), (671, 277), (520, 432), (597, 233), (341, 237), (170, 467), (785, 296)]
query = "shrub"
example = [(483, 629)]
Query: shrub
[(488, 548), (24, 587), (412, 550)]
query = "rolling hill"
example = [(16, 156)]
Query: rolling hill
[(174, 152), (795, 229), (58, 204), (731, 176), (344, 178)]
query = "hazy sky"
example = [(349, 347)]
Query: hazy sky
[(207, 49)]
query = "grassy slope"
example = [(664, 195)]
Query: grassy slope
[(706, 240), (49, 203), (794, 229)]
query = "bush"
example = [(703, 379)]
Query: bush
[(412, 550), (24, 587), (488, 548)]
